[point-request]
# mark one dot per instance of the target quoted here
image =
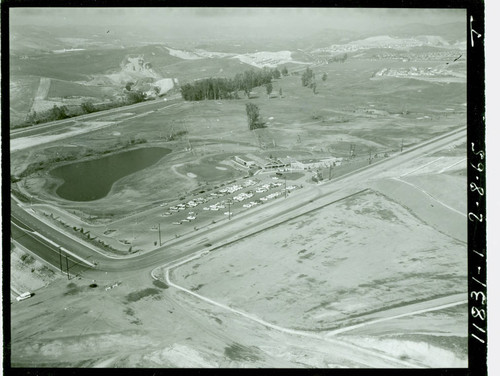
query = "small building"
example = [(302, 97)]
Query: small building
[(275, 164), (245, 162)]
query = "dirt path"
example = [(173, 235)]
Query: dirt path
[(411, 310), (43, 89), (356, 353)]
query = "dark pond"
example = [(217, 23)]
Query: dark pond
[(91, 180)]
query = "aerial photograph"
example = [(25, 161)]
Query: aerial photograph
[(237, 187)]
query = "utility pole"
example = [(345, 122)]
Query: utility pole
[(353, 151), (285, 186), (402, 145), (229, 206), (330, 172), (159, 234), (67, 267), (60, 260), (370, 158)]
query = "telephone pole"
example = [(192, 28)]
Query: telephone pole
[(67, 267), (159, 234), (228, 202)]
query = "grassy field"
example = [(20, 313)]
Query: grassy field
[(71, 66), (349, 109), (188, 70), (62, 89), (22, 94)]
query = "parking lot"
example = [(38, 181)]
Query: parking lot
[(225, 202)]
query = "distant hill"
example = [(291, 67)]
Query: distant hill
[(327, 37), (451, 32)]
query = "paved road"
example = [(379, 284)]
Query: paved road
[(254, 221), (60, 124), (46, 251)]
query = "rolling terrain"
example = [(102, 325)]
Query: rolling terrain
[(356, 258)]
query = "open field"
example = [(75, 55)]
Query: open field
[(22, 94), (61, 89), (29, 273), (186, 70), (391, 247), (321, 252), (205, 135), (78, 65)]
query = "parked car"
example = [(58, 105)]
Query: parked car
[(24, 295)]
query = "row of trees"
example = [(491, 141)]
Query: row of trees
[(227, 88), (338, 59), (62, 112)]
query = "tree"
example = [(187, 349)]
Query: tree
[(88, 107), (276, 73), (32, 118), (253, 116), (136, 97), (313, 86), (284, 71), (59, 113), (281, 93), (324, 77), (129, 85), (269, 88), (307, 77)]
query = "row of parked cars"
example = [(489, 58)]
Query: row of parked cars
[(224, 192)]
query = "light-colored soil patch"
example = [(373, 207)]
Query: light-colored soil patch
[(455, 196), (361, 254), (421, 350), (429, 209), (29, 273), (148, 326)]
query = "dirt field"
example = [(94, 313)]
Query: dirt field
[(379, 250), (28, 273), (61, 89), (149, 327), (364, 246)]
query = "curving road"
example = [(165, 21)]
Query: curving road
[(251, 222)]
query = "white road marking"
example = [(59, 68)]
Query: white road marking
[(420, 167), (432, 197), (444, 169)]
